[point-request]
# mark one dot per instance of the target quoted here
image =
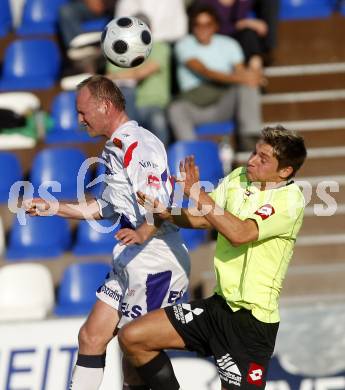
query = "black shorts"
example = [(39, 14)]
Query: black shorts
[(241, 344)]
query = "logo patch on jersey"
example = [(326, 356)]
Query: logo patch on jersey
[(153, 181), (228, 370), (117, 142), (255, 374), (265, 211), (129, 154)]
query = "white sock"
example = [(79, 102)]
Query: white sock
[(86, 378)]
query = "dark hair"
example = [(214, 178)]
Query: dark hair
[(288, 147), (198, 9), (103, 88)]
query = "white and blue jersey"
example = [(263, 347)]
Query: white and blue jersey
[(155, 274)]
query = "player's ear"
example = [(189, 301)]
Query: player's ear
[(286, 172), (103, 107)]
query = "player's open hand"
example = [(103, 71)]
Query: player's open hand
[(189, 172), (38, 206), (128, 237), (153, 206)]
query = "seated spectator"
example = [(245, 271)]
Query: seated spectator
[(215, 84), (256, 35), (147, 88), (268, 11)]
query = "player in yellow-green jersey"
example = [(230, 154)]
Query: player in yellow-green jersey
[(257, 211)]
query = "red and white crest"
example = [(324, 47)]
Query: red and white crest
[(153, 181), (255, 374), (265, 211)]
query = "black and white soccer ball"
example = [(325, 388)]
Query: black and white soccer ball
[(126, 41)]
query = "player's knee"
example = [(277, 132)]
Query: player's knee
[(130, 338), (91, 341)]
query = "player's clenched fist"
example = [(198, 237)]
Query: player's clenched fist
[(38, 206)]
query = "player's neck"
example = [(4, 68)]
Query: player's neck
[(117, 122), (272, 185)]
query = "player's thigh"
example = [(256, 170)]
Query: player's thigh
[(151, 332), (101, 322)]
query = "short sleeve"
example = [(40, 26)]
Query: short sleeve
[(281, 217)]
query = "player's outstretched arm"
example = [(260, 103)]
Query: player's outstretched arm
[(161, 213), (77, 210), (238, 232)]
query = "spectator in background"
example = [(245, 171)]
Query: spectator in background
[(215, 84), (168, 17), (147, 87), (268, 11), (256, 35), (75, 12)]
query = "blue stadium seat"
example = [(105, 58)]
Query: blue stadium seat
[(5, 18), (305, 9), (40, 237), (61, 165), (76, 294), (96, 24), (342, 8), (10, 172), (193, 237), (97, 188), (92, 241), (30, 64), (65, 118), (206, 157), (215, 128), (39, 17)]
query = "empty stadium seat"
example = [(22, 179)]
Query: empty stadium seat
[(10, 172), (40, 237), (30, 64), (26, 292), (39, 17), (19, 102), (65, 120), (96, 24), (5, 18), (76, 294), (93, 240), (2, 237), (215, 128), (206, 157), (342, 8), (193, 237), (305, 9), (97, 188), (62, 166)]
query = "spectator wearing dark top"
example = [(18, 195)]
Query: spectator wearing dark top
[(237, 19), (75, 12)]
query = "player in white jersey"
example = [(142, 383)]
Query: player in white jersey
[(146, 276)]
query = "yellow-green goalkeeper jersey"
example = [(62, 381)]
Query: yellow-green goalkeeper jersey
[(250, 276)]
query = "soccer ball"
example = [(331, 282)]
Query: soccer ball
[(126, 41)]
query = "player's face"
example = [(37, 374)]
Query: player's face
[(90, 113), (204, 27), (262, 166)]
